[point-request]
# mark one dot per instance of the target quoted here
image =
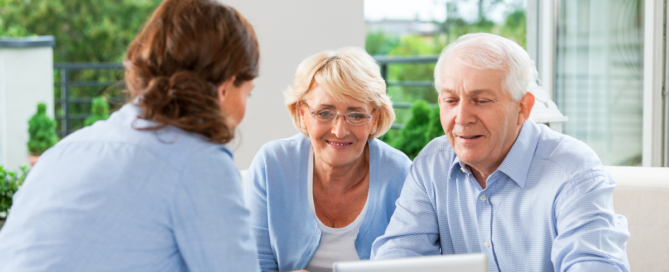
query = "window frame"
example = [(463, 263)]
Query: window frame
[(542, 22)]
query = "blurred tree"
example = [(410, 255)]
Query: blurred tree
[(423, 126), (99, 111), (41, 131), (414, 45), (515, 27), (379, 43), (85, 30)]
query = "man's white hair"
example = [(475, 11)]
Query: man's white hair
[(485, 51)]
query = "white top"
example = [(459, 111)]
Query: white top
[(337, 244)]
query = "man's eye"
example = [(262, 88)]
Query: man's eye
[(483, 101)]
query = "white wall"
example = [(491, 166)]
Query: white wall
[(288, 32), (26, 79)]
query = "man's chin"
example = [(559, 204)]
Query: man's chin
[(469, 157)]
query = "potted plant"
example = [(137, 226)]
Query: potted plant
[(42, 133), (99, 111), (9, 184)]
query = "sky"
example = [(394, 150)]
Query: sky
[(428, 10)]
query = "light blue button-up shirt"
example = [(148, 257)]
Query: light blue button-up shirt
[(113, 198), (548, 207)]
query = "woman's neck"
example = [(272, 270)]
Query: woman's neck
[(340, 179)]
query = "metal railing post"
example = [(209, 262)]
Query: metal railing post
[(384, 71), (64, 102)]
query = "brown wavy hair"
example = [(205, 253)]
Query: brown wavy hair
[(185, 50)]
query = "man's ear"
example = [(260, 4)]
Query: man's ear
[(526, 105), (222, 89)]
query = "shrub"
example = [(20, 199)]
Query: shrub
[(423, 126), (42, 131), (9, 184), (99, 111)]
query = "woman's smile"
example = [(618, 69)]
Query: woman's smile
[(339, 144)]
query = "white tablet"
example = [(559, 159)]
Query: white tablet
[(477, 262)]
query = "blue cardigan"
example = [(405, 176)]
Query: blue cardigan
[(276, 194)]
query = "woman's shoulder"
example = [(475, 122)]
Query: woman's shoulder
[(288, 147), (388, 155)]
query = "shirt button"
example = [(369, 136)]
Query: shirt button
[(463, 170), (364, 259), (486, 244), (483, 198)]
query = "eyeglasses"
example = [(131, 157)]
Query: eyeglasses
[(329, 116)]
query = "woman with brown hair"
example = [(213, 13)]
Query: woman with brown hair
[(153, 188)]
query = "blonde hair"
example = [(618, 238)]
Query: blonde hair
[(347, 71)]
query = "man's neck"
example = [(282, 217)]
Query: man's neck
[(481, 176)]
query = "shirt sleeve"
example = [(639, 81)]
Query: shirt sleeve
[(413, 229), (590, 236), (255, 195), (211, 224)]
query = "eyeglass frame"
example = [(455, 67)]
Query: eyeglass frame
[(336, 115)]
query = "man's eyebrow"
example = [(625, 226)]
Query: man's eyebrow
[(447, 90), (480, 91)]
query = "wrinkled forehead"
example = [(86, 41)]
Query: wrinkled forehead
[(457, 76)]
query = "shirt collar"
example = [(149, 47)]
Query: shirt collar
[(517, 163)]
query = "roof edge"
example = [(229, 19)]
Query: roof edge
[(27, 42)]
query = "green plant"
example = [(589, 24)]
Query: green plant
[(423, 126), (9, 184), (99, 111), (42, 131)]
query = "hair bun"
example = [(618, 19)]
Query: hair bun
[(181, 54)]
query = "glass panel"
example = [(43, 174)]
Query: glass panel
[(599, 76)]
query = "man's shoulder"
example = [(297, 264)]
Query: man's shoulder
[(388, 155), (435, 159), (571, 155), (438, 146)]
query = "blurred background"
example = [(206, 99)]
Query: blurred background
[(590, 55)]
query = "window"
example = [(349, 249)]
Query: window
[(599, 76)]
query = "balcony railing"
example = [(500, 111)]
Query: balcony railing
[(65, 85), (65, 101), (385, 61)]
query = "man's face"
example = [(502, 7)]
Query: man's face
[(480, 119)]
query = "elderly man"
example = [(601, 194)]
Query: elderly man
[(530, 198)]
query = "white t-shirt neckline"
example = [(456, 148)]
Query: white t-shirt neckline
[(337, 244)]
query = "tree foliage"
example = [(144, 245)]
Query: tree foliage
[(9, 184), (85, 30), (99, 111), (423, 126), (41, 131)]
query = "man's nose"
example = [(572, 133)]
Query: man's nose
[(339, 126), (465, 114)]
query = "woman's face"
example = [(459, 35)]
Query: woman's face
[(336, 143), (233, 98)]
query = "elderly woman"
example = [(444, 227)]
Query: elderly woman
[(324, 195)]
